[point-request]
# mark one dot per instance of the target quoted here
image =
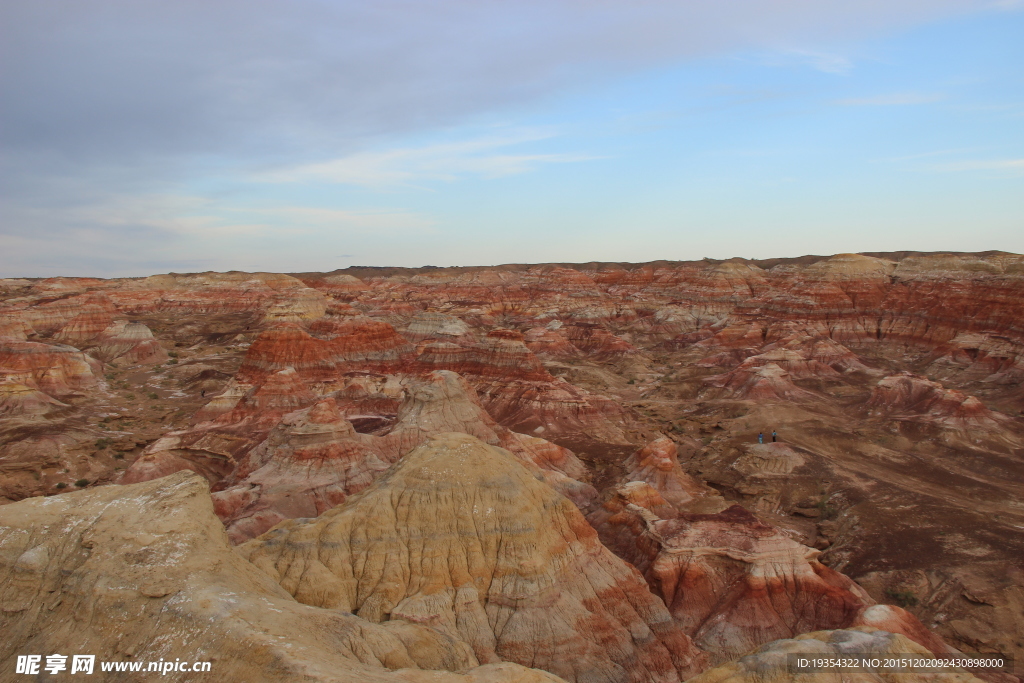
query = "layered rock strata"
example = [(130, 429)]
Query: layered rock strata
[(485, 553)]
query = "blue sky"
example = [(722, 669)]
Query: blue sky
[(317, 135)]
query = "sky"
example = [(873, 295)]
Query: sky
[(141, 136)]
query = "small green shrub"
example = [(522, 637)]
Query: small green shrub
[(173, 361), (172, 354), (82, 482), (61, 485), (130, 397), (152, 396), (119, 455), (102, 443), (828, 511), (901, 598)]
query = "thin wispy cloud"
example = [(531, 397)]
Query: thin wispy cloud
[(487, 157), (982, 165), (800, 58), (891, 99)]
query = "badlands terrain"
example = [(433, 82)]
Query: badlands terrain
[(517, 474)]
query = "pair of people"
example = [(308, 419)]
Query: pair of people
[(760, 436)]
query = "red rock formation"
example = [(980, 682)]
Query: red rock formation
[(310, 462), (657, 464), (429, 325), (213, 449), (911, 397), (501, 354), (18, 399), (213, 293), (128, 342), (338, 286), (759, 383), (342, 345), (548, 342), (734, 583), (554, 409), (55, 369), (597, 342)]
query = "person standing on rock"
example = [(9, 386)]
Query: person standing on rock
[(760, 437), (774, 436)]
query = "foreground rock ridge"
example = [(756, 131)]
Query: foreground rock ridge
[(460, 536), (583, 472)]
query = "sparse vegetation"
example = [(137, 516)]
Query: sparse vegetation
[(173, 361), (901, 598), (827, 510), (130, 397), (82, 483), (102, 443), (152, 395), (61, 485)]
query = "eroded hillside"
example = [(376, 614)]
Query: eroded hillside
[(556, 466)]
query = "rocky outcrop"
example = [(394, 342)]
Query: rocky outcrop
[(911, 397), (769, 382), (314, 459), (657, 464), (427, 325), (128, 342), (502, 354), (54, 369), (461, 537), (144, 573), (341, 345)]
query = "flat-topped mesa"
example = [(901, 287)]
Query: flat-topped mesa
[(55, 369), (501, 354), (911, 397), (342, 345), (150, 566), (523, 577)]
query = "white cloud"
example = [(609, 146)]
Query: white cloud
[(375, 221), (482, 156), (892, 99)]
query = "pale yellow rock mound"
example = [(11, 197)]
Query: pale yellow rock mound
[(461, 536), (144, 572)]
